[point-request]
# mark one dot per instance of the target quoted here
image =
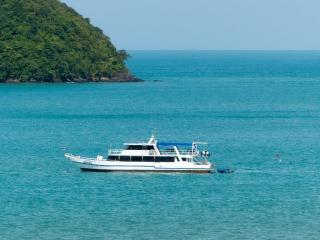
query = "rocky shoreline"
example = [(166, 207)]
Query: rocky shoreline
[(130, 79)]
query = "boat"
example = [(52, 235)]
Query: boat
[(151, 156)]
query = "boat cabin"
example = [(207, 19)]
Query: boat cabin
[(154, 151)]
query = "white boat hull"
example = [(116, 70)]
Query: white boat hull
[(91, 164)]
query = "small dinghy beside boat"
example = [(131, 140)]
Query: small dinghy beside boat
[(151, 156), (225, 170)]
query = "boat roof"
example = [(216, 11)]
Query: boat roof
[(138, 144), (172, 144), (161, 144), (166, 144)]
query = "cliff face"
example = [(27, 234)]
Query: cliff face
[(45, 40)]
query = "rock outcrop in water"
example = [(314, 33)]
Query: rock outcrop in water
[(47, 41)]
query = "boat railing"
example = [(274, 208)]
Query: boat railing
[(187, 152), (162, 152), (173, 152), (71, 156), (114, 151), (167, 152), (198, 161)]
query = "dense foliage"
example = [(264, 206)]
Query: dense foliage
[(45, 40)]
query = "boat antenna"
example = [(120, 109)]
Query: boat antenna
[(152, 138), (153, 133)]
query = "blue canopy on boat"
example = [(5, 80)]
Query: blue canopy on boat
[(171, 144)]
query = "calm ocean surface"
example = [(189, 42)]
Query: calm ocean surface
[(260, 112)]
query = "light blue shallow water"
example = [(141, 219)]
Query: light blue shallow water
[(252, 107)]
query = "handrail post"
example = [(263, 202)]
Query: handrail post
[(178, 153)]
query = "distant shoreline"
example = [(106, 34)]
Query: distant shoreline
[(79, 81)]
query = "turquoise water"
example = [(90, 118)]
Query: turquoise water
[(259, 111)]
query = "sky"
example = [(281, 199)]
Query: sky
[(206, 24)]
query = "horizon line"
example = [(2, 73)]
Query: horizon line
[(225, 50)]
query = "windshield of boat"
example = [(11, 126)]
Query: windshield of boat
[(139, 147)]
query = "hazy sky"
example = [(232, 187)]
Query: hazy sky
[(206, 24)]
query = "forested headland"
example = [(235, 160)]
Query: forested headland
[(47, 41)]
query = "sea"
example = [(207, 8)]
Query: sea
[(258, 110)]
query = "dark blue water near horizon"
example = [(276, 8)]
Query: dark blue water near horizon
[(260, 112)]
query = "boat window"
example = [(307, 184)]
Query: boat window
[(140, 147), (134, 147), (113, 157), (148, 159), (125, 158), (136, 158)]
